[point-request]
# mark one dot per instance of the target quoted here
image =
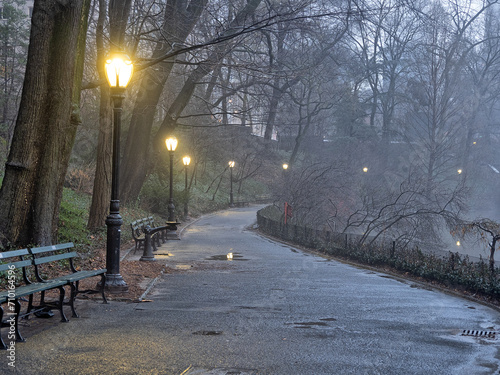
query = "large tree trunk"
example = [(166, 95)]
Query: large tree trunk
[(46, 126), (101, 193), (180, 18)]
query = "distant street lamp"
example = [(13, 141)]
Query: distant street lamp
[(365, 169), (231, 201), (186, 160), (118, 69), (171, 143), (285, 169), (459, 171)]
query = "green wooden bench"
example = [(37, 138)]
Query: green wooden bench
[(29, 262), (12, 262), (56, 254)]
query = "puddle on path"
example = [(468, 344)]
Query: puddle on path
[(225, 257)]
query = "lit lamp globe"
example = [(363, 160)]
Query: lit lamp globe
[(119, 69), (171, 143), (231, 164), (285, 166), (186, 160)]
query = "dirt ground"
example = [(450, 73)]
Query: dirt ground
[(137, 274)]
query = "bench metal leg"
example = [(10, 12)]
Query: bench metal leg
[(42, 298), (138, 244), (30, 307), (61, 304), (158, 239), (103, 284), (74, 291)]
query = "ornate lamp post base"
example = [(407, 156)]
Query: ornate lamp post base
[(172, 233), (115, 284), (114, 281)]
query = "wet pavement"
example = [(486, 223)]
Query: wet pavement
[(270, 309)]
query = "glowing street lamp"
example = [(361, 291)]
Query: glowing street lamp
[(365, 169), (231, 201), (459, 171), (171, 143), (186, 160), (285, 166), (118, 68)]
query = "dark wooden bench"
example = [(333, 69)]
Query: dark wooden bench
[(239, 203), (139, 233), (161, 236), (29, 262)]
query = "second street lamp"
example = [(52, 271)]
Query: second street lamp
[(231, 201), (118, 69), (285, 169), (171, 143), (186, 160)]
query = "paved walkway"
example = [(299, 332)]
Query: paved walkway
[(272, 309)]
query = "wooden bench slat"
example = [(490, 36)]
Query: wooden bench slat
[(54, 258), (44, 249), (80, 275), (17, 265), (14, 253)]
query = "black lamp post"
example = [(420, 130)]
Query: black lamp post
[(186, 160), (171, 143), (231, 201), (119, 69)]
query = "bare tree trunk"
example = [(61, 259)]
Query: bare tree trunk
[(492, 253), (46, 126), (180, 18)]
